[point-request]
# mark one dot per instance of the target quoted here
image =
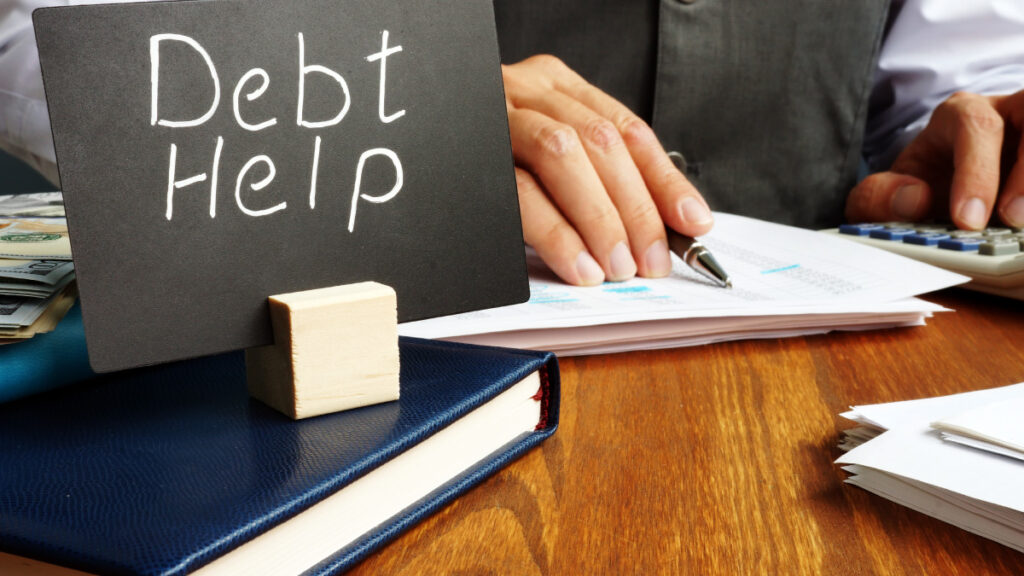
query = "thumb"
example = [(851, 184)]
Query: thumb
[(889, 196)]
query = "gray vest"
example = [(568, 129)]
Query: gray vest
[(766, 100)]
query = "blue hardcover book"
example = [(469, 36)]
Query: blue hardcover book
[(173, 469)]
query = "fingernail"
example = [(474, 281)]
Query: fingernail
[(658, 262), (906, 203), (623, 266), (972, 213), (589, 270), (694, 211), (1013, 214)]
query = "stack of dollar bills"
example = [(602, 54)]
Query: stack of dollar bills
[(37, 276)]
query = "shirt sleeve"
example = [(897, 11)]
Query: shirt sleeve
[(24, 121), (934, 48)]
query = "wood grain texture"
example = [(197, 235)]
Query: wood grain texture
[(335, 349), (719, 460)]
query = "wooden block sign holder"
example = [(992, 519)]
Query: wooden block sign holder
[(334, 349)]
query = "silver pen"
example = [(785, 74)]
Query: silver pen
[(697, 256)]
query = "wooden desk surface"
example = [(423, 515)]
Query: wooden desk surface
[(718, 460)]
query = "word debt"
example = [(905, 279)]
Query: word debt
[(259, 171), (261, 75)]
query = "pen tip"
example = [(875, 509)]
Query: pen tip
[(728, 283)]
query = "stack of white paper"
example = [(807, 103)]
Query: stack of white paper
[(900, 454), (995, 427), (786, 281)]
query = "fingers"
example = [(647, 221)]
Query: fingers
[(601, 168), (555, 241), (553, 152), (678, 201), (961, 144), (889, 196), (1011, 199), (977, 149), (606, 152)]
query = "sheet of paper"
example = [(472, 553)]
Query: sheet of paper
[(921, 413), (920, 454), (997, 423), (915, 451), (982, 445), (989, 521), (776, 271), (674, 333)]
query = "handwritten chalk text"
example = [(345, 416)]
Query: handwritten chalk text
[(259, 171)]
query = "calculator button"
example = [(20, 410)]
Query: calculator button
[(965, 234), (891, 233), (929, 229), (897, 225), (925, 238), (858, 229), (1000, 246), (961, 244), (994, 232)]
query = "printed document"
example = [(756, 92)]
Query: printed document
[(786, 281)]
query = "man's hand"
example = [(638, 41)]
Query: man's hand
[(968, 157), (596, 189)]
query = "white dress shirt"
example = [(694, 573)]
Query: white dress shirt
[(934, 48), (24, 122)]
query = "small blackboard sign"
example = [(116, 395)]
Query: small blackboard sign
[(215, 153)]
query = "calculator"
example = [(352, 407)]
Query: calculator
[(993, 258)]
